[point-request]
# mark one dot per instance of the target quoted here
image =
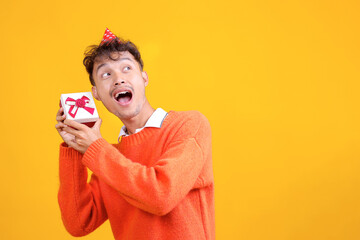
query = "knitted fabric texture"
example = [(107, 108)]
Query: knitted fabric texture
[(155, 184)]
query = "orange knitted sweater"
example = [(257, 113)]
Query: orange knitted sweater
[(155, 184)]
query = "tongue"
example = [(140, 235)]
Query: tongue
[(124, 99)]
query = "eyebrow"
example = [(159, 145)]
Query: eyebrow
[(104, 64)]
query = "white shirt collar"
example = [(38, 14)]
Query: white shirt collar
[(155, 120)]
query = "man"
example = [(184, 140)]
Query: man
[(157, 182)]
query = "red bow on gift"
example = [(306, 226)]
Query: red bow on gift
[(78, 103)]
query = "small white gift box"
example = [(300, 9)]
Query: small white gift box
[(79, 107)]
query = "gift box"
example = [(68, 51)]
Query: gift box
[(79, 107)]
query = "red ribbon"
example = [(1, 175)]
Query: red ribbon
[(78, 103)]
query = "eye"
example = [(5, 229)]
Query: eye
[(127, 68), (104, 75)]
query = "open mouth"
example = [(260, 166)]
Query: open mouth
[(123, 97)]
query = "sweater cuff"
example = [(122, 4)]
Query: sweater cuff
[(90, 156), (69, 153)]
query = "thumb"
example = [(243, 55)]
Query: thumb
[(97, 124)]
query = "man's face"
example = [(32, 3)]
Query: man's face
[(120, 84)]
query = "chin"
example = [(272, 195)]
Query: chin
[(128, 114)]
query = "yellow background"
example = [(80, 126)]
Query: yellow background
[(278, 81)]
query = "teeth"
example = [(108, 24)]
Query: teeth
[(118, 94)]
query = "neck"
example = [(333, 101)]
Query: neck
[(139, 120)]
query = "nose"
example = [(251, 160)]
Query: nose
[(118, 80), (119, 83)]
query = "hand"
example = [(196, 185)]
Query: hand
[(83, 135), (60, 117)]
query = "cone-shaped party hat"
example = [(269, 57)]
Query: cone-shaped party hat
[(108, 36)]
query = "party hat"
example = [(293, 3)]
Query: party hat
[(108, 36)]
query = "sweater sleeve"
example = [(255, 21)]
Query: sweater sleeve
[(157, 189), (82, 209)]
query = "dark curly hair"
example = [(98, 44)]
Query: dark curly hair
[(105, 49)]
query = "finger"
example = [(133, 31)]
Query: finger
[(60, 112), (97, 124), (78, 141), (60, 125), (75, 145), (72, 144), (60, 118), (75, 125), (72, 131)]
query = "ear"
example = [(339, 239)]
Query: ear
[(95, 94), (145, 77)]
